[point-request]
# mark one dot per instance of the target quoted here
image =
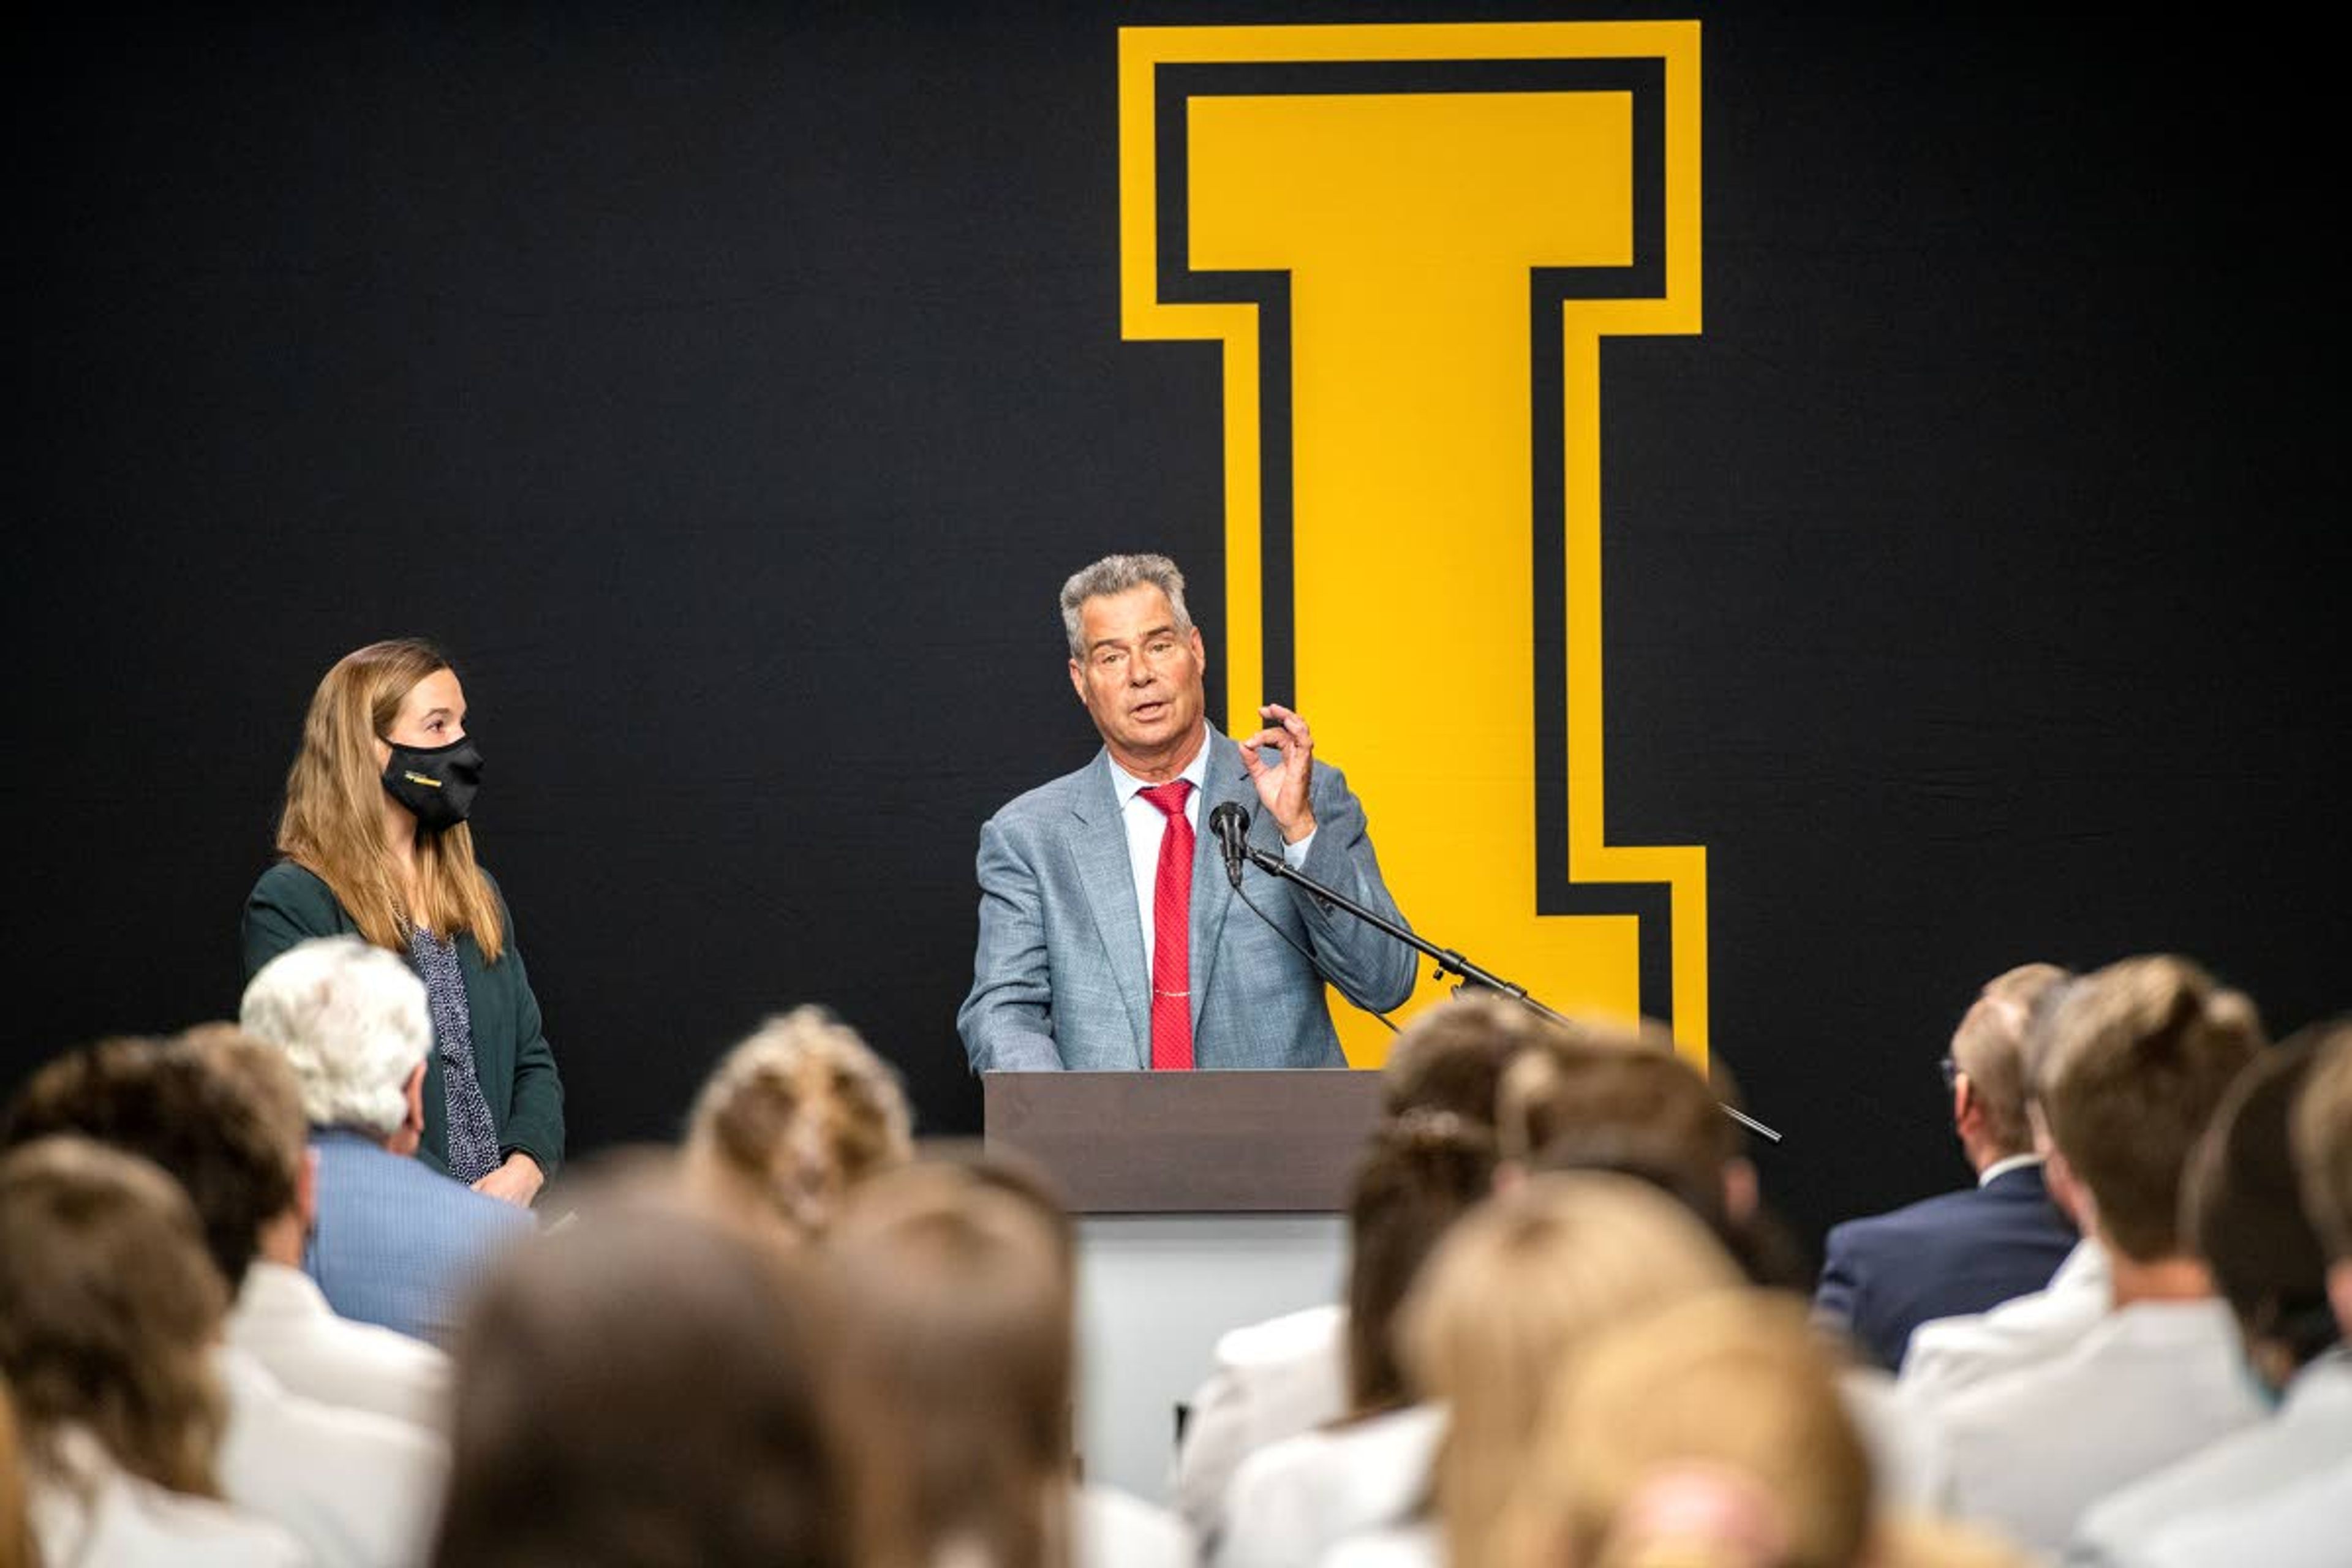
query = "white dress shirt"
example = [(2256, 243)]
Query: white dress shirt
[(281, 1319), (1112, 1530), (2151, 1384), (98, 1513), (2301, 1525), (1420, 1544), (1292, 1503), (1950, 1354), (2310, 1437), (1145, 823), (1272, 1380), (361, 1491), (1900, 1437)]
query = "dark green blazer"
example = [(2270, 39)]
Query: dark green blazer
[(510, 1055)]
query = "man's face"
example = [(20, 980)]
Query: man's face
[(1139, 679)]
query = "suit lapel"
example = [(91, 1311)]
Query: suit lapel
[(1098, 848), (1213, 895)]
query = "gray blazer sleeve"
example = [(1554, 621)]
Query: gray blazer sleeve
[(1374, 970), (1007, 1021)]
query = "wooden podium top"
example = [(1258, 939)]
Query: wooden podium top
[(1188, 1142)]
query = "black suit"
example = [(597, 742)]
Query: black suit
[(1961, 1252)]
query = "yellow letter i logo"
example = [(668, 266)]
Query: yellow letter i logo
[(1410, 241)]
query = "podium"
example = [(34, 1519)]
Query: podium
[(1203, 1201)]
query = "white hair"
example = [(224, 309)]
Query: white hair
[(1116, 574), (354, 1023)]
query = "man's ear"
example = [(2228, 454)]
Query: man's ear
[(2340, 1293), (410, 1131), (1968, 1112), (1078, 682)]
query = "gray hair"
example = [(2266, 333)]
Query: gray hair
[(354, 1023), (1116, 574)]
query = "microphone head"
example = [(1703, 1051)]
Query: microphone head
[(1229, 818)]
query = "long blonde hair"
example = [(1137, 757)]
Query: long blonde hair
[(333, 823), (1732, 1391), (1510, 1295)]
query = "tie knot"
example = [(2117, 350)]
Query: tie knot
[(1169, 797)]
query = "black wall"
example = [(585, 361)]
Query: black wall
[(731, 387)]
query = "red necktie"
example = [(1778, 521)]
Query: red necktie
[(1171, 923)]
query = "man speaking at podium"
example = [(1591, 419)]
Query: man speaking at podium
[(1110, 936)]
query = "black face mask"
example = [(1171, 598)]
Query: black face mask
[(435, 783)]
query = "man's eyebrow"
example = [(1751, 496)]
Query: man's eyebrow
[(1146, 635)]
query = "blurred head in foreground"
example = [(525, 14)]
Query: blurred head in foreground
[(109, 1310), (1509, 1296), (645, 1388), (1710, 1432)]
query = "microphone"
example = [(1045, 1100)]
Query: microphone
[(1229, 823)]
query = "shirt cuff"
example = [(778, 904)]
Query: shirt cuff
[(1295, 855)]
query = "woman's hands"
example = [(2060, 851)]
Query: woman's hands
[(517, 1182)]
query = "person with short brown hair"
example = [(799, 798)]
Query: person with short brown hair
[(1965, 1251), (2140, 1054), (109, 1311), (2245, 1217), (2299, 1524), (790, 1120)]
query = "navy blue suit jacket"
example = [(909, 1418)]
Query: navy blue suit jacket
[(1959, 1252)]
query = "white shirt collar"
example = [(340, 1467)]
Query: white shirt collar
[(2003, 1167), (1126, 787)]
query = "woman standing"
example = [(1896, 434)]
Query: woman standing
[(374, 841)]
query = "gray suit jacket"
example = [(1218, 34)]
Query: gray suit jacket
[(1058, 978)]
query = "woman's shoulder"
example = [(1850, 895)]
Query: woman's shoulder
[(288, 883)]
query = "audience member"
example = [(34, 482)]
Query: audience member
[(109, 1312), (649, 1390), (1710, 1431), (356, 1487), (1288, 1374), (222, 1114), (393, 1242), (2245, 1216), (1949, 1355), (2140, 1054), (1628, 1103), (1970, 1250), (1507, 1297), (790, 1120), (958, 1288), (1368, 1469), (2301, 1524)]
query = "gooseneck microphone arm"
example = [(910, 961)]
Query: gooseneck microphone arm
[(1448, 962)]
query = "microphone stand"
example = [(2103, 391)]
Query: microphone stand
[(1448, 962)]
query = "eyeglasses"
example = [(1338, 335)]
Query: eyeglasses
[(1951, 1071)]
